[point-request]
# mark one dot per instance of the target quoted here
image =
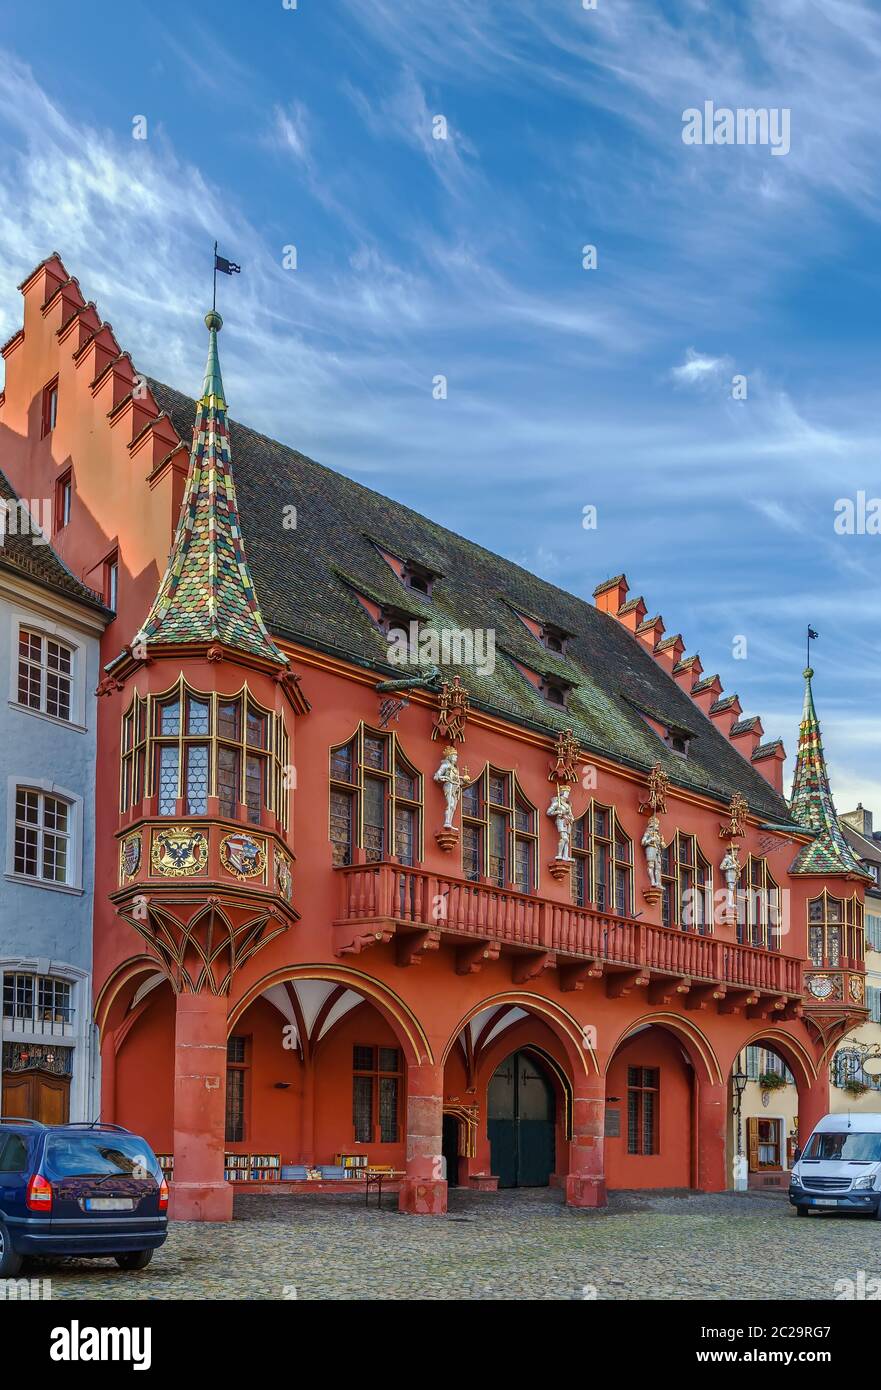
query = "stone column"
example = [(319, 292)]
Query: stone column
[(586, 1179), (712, 1131), (199, 1192), (813, 1103), (424, 1191)]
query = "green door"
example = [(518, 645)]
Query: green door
[(520, 1123)]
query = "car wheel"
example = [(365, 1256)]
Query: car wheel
[(10, 1262), (801, 1211), (134, 1259)]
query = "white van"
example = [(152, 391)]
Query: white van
[(839, 1168)]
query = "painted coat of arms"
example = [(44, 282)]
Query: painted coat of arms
[(283, 877), (242, 855), (179, 852), (130, 856)]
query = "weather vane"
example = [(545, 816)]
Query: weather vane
[(227, 268), (812, 637)]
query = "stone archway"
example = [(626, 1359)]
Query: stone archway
[(519, 1021), (665, 1106), (778, 1084)]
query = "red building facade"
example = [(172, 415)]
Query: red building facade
[(299, 955)]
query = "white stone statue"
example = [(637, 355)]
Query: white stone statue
[(730, 867), (452, 781), (653, 844), (564, 818)]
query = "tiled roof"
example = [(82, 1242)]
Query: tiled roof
[(207, 594), (304, 598), (18, 552), (811, 803)]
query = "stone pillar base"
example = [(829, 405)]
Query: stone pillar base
[(423, 1197), (205, 1201), (585, 1192)]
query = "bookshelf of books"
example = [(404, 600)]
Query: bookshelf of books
[(353, 1165), (265, 1167), (166, 1163), (252, 1167), (236, 1167)]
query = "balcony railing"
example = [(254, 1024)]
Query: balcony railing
[(391, 893)]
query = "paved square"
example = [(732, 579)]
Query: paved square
[(519, 1245)]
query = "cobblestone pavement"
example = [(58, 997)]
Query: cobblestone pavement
[(523, 1245)]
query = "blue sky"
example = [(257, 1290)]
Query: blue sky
[(269, 127)]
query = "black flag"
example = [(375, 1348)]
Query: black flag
[(228, 267), (812, 635)]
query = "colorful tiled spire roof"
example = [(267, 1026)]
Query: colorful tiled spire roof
[(207, 594), (812, 805)]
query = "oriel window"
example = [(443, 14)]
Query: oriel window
[(195, 745)]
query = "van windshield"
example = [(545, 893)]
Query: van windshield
[(850, 1147), (94, 1155)]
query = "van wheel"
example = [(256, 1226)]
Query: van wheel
[(801, 1211), (10, 1262), (134, 1259)]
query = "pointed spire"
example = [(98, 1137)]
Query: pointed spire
[(811, 804), (207, 594)]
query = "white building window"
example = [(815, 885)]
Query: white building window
[(43, 829), (37, 999), (45, 673)]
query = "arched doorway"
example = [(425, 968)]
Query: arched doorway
[(521, 1122)]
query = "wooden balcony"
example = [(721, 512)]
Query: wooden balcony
[(380, 902)]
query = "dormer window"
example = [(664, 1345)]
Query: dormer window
[(554, 638), (418, 578), (678, 742), (554, 691), (395, 620)]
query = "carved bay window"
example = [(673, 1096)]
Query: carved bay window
[(188, 745), (758, 906), (375, 799), (602, 868), (499, 835), (835, 931), (686, 885)]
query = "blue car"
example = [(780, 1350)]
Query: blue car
[(78, 1189)]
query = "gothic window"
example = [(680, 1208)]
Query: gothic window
[(835, 931), (602, 869), (375, 799), (758, 906), (499, 836), (195, 745), (686, 885)]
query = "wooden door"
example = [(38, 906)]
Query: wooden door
[(37, 1095)]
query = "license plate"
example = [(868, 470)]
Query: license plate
[(824, 1201), (110, 1204)]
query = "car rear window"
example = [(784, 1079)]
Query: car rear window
[(13, 1154), (94, 1155)]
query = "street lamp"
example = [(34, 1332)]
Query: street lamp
[(739, 1079)]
